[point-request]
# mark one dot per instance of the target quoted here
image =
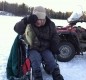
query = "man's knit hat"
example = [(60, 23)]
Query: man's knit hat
[(40, 12)]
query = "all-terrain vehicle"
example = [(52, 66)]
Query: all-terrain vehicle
[(73, 38)]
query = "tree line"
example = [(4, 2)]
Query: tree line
[(23, 10)]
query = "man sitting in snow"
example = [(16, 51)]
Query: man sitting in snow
[(44, 44)]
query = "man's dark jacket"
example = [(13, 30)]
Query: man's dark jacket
[(47, 35)]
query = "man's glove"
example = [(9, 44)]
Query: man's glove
[(30, 19)]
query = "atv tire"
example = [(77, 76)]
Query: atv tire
[(67, 52)]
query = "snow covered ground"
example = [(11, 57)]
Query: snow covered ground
[(72, 70)]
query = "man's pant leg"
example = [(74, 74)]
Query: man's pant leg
[(35, 59), (52, 65), (49, 60)]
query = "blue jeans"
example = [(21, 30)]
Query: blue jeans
[(36, 59)]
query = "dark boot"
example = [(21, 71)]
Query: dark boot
[(37, 75), (56, 74)]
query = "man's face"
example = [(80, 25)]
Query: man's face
[(40, 22)]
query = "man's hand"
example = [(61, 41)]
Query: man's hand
[(30, 19)]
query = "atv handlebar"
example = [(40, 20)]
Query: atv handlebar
[(81, 20), (74, 22)]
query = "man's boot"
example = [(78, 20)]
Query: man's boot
[(56, 74), (37, 75)]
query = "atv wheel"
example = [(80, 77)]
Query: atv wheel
[(67, 52)]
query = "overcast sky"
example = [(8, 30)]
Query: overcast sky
[(56, 5)]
